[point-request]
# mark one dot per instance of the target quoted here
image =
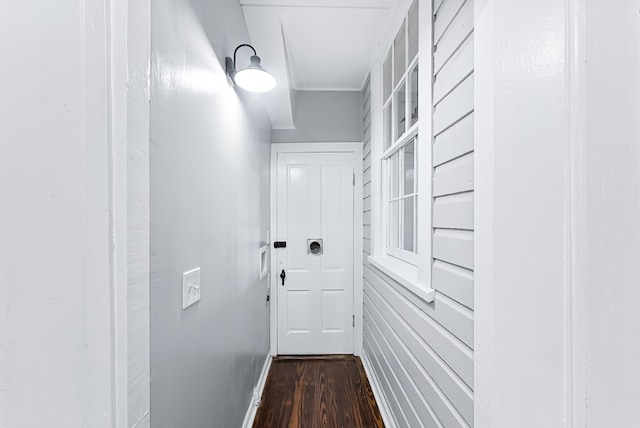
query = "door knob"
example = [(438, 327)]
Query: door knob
[(283, 275)]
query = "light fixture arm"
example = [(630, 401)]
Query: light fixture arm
[(236, 51), (230, 64)]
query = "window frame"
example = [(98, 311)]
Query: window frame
[(399, 140), (413, 270), (398, 252)]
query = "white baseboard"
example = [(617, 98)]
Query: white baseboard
[(381, 400), (255, 400)]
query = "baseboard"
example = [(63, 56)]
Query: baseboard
[(381, 400), (255, 400)]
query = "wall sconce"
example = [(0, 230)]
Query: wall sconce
[(254, 78)]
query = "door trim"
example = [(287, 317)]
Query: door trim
[(354, 148)]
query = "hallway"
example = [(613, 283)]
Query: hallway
[(164, 230), (315, 392)]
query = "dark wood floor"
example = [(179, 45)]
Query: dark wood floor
[(311, 392)]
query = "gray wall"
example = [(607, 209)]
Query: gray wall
[(209, 209), (323, 116)]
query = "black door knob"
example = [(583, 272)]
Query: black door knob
[(283, 276)]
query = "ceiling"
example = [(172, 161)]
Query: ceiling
[(320, 45)]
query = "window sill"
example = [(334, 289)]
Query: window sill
[(406, 279)]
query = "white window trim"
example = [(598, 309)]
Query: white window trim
[(407, 257), (416, 279), (396, 269)]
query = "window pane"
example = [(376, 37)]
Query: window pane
[(386, 77), (386, 127), (399, 55), (394, 175), (413, 88), (394, 226), (408, 224), (409, 168), (413, 30), (401, 111)]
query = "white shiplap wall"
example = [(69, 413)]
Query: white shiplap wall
[(421, 354)]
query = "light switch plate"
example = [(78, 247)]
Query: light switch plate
[(190, 287)]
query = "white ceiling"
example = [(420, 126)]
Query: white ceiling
[(313, 45)]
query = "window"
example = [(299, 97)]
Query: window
[(402, 159), (401, 170), (400, 142)]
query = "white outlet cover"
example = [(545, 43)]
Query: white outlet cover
[(190, 287)]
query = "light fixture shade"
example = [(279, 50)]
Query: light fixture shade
[(254, 78)]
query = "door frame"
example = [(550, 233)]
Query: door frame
[(355, 148)]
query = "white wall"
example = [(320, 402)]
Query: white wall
[(557, 203), (608, 320), (209, 209), (64, 145), (522, 149), (55, 365), (130, 40), (323, 116)]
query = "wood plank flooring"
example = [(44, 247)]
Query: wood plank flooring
[(313, 392)]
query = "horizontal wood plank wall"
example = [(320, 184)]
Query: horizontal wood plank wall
[(366, 154), (452, 274), (422, 353)]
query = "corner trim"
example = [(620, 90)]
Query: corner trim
[(378, 393), (255, 399)]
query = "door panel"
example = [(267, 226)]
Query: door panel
[(315, 202), (332, 210), (298, 210)]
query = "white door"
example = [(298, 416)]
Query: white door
[(315, 219)]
